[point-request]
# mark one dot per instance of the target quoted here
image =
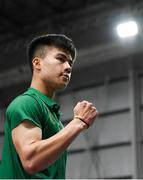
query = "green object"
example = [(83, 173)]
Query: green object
[(44, 113)]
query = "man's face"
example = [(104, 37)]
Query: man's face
[(56, 68)]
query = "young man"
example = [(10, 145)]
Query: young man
[(35, 141)]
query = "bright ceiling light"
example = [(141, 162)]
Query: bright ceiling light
[(127, 29)]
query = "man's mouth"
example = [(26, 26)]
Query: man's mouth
[(65, 77)]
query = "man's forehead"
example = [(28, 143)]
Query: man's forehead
[(60, 51)]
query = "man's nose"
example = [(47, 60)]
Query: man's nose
[(67, 67)]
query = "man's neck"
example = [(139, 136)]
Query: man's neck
[(45, 90)]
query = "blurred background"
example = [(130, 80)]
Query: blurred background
[(108, 72)]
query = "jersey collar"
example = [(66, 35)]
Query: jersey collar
[(50, 102)]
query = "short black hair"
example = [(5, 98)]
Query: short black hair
[(56, 40)]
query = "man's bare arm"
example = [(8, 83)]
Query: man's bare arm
[(37, 154)]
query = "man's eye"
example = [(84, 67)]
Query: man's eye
[(71, 63), (60, 58)]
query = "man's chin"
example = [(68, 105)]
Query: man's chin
[(62, 87)]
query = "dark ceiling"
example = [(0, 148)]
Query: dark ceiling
[(88, 22), (20, 18)]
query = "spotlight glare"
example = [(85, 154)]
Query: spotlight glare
[(127, 29)]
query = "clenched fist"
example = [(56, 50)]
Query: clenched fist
[(86, 112)]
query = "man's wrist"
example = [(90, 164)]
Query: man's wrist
[(81, 119)]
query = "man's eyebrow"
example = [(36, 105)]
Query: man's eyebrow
[(64, 55)]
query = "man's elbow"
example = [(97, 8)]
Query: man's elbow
[(30, 167), (27, 160)]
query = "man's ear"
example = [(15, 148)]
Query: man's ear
[(36, 63)]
